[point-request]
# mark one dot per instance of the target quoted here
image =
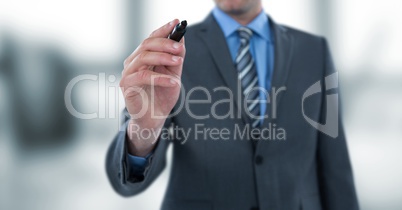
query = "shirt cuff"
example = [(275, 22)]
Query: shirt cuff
[(137, 165)]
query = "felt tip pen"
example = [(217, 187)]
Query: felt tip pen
[(178, 31)]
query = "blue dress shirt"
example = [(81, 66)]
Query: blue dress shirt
[(262, 50), (261, 46)]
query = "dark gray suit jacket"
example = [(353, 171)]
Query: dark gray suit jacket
[(309, 170)]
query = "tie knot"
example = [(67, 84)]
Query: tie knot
[(245, 33)]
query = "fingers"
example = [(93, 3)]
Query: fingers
[(148, 58), (183, 52), (155, 51), (162, 45), (148, 78), (158, 45), (165, 30)]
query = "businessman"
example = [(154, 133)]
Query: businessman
[(230, 99)]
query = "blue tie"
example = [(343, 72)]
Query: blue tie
[(247, 71)]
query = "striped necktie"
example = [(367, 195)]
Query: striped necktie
[(247, 72)]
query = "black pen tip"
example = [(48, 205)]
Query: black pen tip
[(184, 23)]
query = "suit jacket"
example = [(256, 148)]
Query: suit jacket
[(308, 170)]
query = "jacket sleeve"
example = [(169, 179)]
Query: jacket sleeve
[(124, 182), (335, 171)]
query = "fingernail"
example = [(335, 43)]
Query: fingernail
[(175, 58), (176, 45), (171, 22), (172, 81)]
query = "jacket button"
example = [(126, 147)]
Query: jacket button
[(258, 160), (255, 136)]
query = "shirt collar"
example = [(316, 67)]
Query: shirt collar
[(260, 24)]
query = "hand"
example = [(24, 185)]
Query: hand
[(151, 80)]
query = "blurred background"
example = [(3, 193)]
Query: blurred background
[(50, 159)]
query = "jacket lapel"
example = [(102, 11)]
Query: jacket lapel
[(283, 52), (215, 41)]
